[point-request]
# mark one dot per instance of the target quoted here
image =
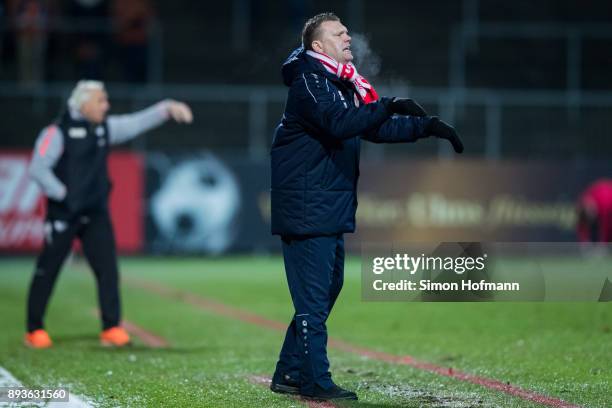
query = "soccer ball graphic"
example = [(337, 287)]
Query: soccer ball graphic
[(197, 205)]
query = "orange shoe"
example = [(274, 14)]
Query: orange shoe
[(37, 339), (115, 336)]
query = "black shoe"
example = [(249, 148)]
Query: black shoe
[(285, 386), (333, 393)]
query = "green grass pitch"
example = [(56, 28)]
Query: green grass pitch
[(561, 350)]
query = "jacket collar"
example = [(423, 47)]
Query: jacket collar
[(299, 63)]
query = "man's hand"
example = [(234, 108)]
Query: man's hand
[(179, 111), (437, 128), (404, 106)]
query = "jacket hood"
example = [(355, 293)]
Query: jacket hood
[(298, 63)]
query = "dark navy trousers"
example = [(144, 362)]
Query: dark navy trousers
[(315, 273)]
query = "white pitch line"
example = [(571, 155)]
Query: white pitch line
[(8, 380)]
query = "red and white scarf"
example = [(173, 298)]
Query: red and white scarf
[(348, 72)]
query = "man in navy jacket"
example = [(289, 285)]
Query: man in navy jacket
[(315, 167)]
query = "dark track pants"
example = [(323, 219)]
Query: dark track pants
[(96, 234), (315, 273)]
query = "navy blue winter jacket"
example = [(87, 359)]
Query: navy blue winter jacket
[(315, 151)]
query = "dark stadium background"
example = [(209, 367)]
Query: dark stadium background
[(526, 84)]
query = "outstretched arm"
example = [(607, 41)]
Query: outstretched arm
[(47, 151), (399, 129), (411, 128), (316, 103), (122, 128)]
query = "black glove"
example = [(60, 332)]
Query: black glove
[(437, 128), (404, 106)]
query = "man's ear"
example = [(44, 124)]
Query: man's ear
[(317, 46)]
